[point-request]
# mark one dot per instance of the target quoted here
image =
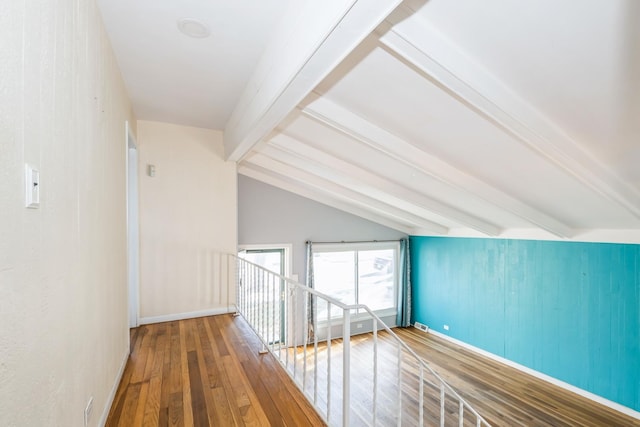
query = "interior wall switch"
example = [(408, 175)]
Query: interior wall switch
[(32, 187)]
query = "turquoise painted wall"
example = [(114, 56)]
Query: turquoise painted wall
[(567, 309)]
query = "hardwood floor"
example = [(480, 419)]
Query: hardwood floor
[(505, 395), (205, 372)]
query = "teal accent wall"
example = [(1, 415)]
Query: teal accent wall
[(567, 309)]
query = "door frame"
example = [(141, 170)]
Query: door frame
[(287, 251), (133, 227)]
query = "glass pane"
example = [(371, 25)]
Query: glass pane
[(376, 270), (269, 260), (334, 275), (271, 288)]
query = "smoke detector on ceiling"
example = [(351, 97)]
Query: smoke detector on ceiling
[(193, 28)]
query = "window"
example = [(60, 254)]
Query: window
[(357, 273)]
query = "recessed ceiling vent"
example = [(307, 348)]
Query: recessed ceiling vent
[(193, 28)]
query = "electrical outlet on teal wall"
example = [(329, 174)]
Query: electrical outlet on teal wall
[(567, 309)]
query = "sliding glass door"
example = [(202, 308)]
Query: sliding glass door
[(272, 293)]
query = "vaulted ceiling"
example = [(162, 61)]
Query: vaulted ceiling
[(441, 117)]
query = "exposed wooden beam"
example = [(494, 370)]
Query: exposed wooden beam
[(351, 124), (421, 45), (369, 183), (271, 178), (340, 192), (311, 41)]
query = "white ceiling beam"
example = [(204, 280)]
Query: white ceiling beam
[(341, 194), (363, 181), (279, 181), (310, 42), (343, 120), (421, 45)]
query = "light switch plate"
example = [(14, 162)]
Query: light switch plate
[(32, 187)]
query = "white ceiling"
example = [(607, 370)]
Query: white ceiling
[(173, 78), (494, 118)]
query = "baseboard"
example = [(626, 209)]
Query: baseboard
[(182, 316), (114, 389), (584, 393)]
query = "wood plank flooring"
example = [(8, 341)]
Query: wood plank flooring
[(505, 395), (205, 372)]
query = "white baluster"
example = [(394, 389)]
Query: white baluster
[(346, 367)]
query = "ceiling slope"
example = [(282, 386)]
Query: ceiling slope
[(312, 39), (459, 118), (189, 81), (420, 131)]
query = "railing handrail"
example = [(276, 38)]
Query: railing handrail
[(302, 287), (379, 321), (422, 362)]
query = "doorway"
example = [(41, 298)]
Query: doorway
[(275, 259), (132, 226)]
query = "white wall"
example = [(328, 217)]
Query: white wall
[(188, 210), (63, 286)]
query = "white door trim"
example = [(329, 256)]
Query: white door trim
[(288, 253), (133, 230)]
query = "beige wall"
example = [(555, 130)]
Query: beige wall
[(63, 292), (188, 211)]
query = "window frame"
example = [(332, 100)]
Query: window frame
[(358, 247)]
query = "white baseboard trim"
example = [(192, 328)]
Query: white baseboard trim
[(182, 316), (114, 389), (613, 405)]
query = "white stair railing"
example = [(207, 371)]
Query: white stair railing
[(394, 385)]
